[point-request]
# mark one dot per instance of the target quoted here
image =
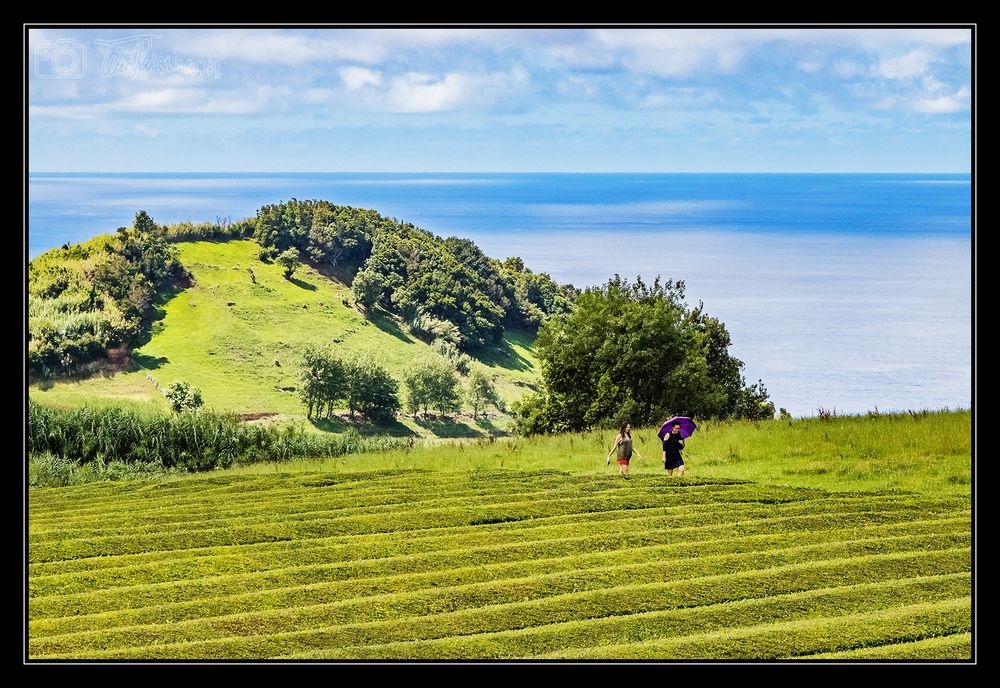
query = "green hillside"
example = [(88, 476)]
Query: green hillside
[(240, 341), (494, 564)]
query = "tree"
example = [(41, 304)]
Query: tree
[(371, 389), (445, 392), (323, 380), (632, 352), (367, 288), (431, 381), (482, 392), (289, 260), (417, 382), (183, 397), (754, 404)]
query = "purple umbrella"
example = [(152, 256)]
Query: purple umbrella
[(687, 427)]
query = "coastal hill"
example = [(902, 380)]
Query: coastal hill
[(225, 315)]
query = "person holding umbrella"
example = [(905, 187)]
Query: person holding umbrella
[(623, 443), (673, 433)]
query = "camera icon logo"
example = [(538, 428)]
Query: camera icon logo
[(61, 59)]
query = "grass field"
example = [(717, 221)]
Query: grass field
[(241, 342), (494, 564)]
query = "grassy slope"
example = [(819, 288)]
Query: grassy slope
[(493, 565), (230, 352)]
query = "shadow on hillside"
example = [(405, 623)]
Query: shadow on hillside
[(147, 362), (301, 284), (342, 272), (447, 427), (503, 356), (487, 425), (158, 311), (388, 325), (338, 424)]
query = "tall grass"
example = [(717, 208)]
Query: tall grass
[(220, 230), (188, 441)]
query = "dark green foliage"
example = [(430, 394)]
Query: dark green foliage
[(183, 397), (85, 299), (340, 235), (371, 390), (421, 277), (443, 288), (327, 233), (535, 296), (632, 352), (754, 404), (191, 441), (536, 415)]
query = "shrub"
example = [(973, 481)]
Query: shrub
[(183, 397), (289, 261)]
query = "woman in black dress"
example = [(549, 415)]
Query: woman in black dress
[(672, 445)]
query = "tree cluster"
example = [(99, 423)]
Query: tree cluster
[(444, 288), (85, 299), (632, 352), (362, 384)]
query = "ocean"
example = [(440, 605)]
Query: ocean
[(847, 292)]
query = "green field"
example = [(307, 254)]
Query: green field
[(494, 564), (927, 453), (841, 538), (241, 342)]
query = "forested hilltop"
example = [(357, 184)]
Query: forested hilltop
[(95, 299)]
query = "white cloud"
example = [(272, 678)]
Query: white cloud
[(674, 52), (365, 46), (173, 101), (913, 63), (359, 77), (415, 92), (418, 92), (943, 104), (810, 67), (273, 47)]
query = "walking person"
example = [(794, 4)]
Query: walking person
[(672, 445), (623, 443)]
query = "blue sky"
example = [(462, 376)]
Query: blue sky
[(415, 100)]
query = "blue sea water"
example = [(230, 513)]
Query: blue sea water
[(845, 291)]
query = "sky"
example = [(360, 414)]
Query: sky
[(491, 100)]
